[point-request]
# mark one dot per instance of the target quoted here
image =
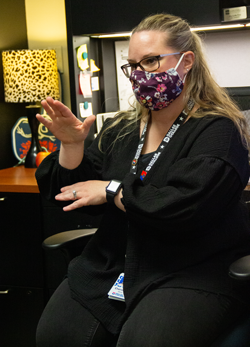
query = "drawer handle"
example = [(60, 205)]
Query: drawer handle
[(2, 199), (4, 291)]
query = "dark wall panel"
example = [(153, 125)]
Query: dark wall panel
[(13, 36), (112, 15)]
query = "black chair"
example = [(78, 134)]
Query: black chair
[(237, 336), (69, 242)]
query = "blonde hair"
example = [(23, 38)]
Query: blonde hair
[(201, 86)]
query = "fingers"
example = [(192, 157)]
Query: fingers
[(72, 192), (88, 122), (46, 122), (60, 108), (56, 108), (73, 206), (67, 195), (58, 111), (46, 105)]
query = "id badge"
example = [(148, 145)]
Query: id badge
[(116, 292)]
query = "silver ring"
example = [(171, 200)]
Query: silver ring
[(74, 193)]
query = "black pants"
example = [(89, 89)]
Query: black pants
[(169, 317)]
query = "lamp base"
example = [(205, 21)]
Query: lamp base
[(30, 160)]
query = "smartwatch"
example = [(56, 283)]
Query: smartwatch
[(112, 190)]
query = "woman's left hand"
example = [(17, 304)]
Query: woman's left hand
[(86, 193)]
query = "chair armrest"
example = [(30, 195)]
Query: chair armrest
[(66, 238), (240, 269)]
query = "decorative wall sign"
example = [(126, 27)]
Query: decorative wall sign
[(21, 138)]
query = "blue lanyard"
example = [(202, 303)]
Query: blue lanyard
[(175, 126)]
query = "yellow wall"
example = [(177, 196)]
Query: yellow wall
[(46, 29)]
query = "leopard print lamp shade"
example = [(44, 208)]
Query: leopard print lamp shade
[(30, 75)]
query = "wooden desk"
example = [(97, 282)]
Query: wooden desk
[(21, 256), (18, 180)]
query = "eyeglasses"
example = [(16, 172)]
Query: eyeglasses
[(149, 64)]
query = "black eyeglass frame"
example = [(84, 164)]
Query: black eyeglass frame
[(135, 65)]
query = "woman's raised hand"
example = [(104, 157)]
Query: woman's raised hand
[(64, 125)]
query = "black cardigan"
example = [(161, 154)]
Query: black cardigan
[(183, 226)]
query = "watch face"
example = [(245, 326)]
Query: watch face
[(113, 186)]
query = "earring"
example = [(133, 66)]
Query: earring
[(187, 69)]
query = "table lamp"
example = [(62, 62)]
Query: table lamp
[(30, 76)]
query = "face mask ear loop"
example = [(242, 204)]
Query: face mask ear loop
[(184, 78), (178, 66), (179, 62)]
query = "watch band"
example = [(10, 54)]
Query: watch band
[(110, 197), (112, 190)]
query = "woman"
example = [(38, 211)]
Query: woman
[(173, 220)]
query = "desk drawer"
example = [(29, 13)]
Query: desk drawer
[(20, 310), (21, 262)]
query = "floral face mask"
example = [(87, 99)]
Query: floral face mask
[(156, 90)]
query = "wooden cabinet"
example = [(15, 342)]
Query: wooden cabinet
[(21, 258), (28, 274), (20, 310)]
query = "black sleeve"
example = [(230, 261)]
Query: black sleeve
[(51, 176)]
